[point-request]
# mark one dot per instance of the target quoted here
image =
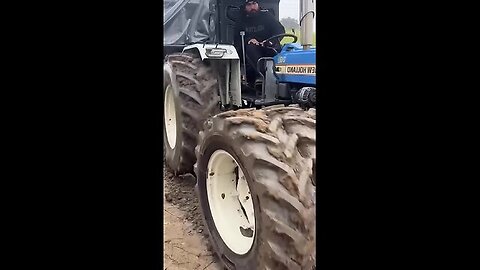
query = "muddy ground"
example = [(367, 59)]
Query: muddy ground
[(186, 243)]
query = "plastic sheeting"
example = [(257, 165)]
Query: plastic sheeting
[(185, 21)]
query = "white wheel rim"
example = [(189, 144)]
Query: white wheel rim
[(229, 202), (170, 117)]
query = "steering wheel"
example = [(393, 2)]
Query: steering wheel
[(295, 38)]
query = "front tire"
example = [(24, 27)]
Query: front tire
[(190, 97), (274, 148)]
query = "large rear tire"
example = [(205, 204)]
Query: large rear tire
[(270, 224), (190, 97)]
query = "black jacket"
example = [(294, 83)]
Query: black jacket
[(260, 27)]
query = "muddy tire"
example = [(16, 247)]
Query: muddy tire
[(274, 148), (190, 96)]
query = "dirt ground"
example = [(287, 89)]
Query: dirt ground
[(186, 243)]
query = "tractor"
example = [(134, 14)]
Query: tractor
[(251, 149)]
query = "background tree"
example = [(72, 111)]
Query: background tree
[(289, 23)]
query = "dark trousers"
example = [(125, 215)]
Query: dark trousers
[(253, 53)]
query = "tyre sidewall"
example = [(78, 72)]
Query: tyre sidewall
[(248, 260), (172, 155)]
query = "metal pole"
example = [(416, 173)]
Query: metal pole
[(244, 72), (307, 13)]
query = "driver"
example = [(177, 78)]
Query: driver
[(258, 26)]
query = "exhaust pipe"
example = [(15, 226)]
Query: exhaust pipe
[(307, 13)]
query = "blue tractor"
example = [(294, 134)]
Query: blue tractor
[(252, 149)]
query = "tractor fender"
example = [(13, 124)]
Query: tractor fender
[(214, 51)]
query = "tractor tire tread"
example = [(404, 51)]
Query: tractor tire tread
[(198, 101), (282, 178)]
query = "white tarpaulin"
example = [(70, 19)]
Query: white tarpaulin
[(185, 21)]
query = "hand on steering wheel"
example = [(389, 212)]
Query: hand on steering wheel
[(280, 37), (254, 42), (263, 43)]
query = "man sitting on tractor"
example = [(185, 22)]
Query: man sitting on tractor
[(258, 26)]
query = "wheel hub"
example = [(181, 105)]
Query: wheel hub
[(230, 202), (170, 117)]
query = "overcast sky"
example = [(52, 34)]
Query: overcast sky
[(289, 8)]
